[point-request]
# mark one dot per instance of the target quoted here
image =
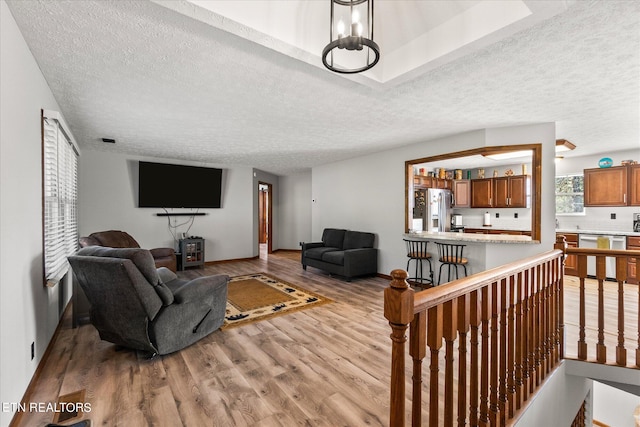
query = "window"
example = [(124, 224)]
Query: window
[(60, 193), (570, 194)]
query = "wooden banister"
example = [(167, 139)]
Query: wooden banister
[(508, 324)]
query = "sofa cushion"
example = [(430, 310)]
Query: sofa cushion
[(334, 257), (317, 253), (333, 237), (141, 258), (358, 239)]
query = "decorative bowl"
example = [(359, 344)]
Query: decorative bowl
[(605, 162)]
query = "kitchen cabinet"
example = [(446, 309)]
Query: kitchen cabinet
[(511, 191), (482, 193), (634, 185), (633, 243), (461, 193), (504, 192), (606, 186), (421, 181), (571, 261)]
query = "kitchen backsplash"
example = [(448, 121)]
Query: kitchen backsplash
[(600, 219), (472, 218)]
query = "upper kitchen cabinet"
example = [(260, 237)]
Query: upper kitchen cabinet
[(615, 186), (512, 191), (461, 193), (423, 181), (634, 181), (482, 193)]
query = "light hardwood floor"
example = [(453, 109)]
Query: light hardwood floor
[(325, 366)]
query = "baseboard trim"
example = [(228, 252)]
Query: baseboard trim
[(222, 261), (17, 417), (383, 276)]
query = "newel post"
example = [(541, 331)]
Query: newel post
[(561, 243), (398, 310)]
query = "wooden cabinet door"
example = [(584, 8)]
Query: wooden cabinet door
[(606, 186), (633, 243), (571, 261), (519, 191), (462, 193), (634, 185), (422, 181), (482, 193), (501, 192)]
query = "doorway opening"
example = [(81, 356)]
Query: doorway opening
[(265, 211)]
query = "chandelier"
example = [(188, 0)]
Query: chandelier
[(356, 51)]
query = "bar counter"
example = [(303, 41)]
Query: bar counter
[(471, 237)]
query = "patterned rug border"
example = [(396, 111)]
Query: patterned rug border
[(322, 301)]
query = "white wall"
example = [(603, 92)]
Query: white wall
[(368, 193), (29, 312), (294, 206), (558, 401), (613, 406), (597, 218), (108, 200)]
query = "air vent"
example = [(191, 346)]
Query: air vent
[(109, 140)]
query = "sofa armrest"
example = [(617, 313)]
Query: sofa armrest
[(199, 288), (162, 252), (311, 245), (360, 261)]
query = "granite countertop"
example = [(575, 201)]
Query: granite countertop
[(471, 237), (496, 227), (603, 232)]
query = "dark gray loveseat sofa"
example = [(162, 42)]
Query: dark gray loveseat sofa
[(343, 252)]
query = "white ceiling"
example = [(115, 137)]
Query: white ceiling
[(240, 82)]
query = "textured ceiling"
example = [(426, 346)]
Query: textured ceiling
[(166, 84)]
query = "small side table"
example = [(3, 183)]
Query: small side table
[(191, 253)]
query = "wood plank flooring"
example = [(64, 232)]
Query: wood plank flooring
[(324, 366)]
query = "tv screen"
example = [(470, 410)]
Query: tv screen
[(162, 185)]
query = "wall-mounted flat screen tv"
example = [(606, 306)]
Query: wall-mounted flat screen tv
[(162, 185)]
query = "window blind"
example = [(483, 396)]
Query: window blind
[(60, 192)]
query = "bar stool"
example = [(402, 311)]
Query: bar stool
[(451, 255), (417, 251)]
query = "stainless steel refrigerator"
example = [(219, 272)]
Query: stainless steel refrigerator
[(432, 210)]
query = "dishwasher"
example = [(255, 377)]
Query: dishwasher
[(590, 241)]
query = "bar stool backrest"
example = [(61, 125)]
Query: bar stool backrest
[(417, 248), (450, 253)]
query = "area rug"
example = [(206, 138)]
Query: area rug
[(259, 296)]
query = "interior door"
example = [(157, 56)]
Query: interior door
[(263, 201)]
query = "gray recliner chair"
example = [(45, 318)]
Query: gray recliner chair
[(135, 305)]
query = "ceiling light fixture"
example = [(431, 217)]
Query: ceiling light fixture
[(508, 155), (564, 145), (360, 36)]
